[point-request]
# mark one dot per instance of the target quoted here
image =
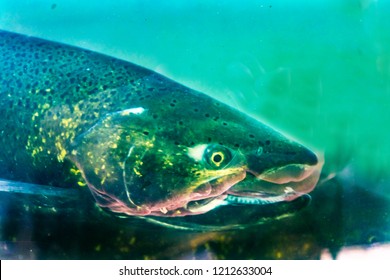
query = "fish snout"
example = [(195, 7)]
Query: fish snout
[(279, 154), (283, 171)]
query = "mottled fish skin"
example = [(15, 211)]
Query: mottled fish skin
[(144, 144)]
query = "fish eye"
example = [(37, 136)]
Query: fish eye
[(217, 156)]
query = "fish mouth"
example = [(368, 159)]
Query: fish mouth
[(275, 185)]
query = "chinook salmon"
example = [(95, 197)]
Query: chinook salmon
[(144, 145)]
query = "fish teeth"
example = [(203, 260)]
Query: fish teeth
[(288, 190), (164, 210), (208, 206)]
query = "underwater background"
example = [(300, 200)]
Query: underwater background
[(318, 71)]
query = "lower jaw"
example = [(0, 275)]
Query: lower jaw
[(193, 207), (242, 199), (199, 207)]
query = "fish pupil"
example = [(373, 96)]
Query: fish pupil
[(217, 158)]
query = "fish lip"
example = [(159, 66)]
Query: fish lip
[(283, 174)]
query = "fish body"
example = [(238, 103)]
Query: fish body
[(144, 144)]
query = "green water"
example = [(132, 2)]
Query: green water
[(319, 71), (316, 70)]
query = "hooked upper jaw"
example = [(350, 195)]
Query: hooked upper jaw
[(282, 182)]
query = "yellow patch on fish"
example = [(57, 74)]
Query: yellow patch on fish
[(136, 171), (36, 114), (74, 171), (81, 184), (61, 151), (66, 122)]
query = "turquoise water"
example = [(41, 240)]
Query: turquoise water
[(319, 72)]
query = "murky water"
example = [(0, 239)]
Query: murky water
[(319, 72)]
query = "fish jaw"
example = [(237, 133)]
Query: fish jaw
[(278, 184), (283, 183), (288, 180)]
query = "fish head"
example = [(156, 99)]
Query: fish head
[(268, 166), (181, 161)]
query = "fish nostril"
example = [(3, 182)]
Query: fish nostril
[(259, 150)]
